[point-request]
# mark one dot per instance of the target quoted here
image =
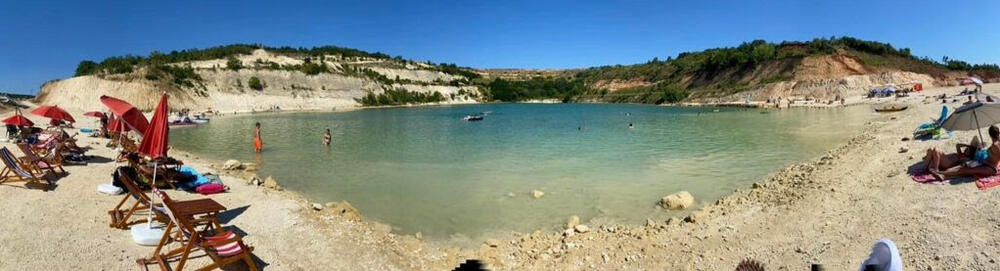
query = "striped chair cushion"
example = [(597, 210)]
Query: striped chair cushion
[(229, 249), (12, 163)]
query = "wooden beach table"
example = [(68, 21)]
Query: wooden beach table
[(206, 208)]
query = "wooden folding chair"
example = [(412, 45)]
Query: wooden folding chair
[(224, 247), (50, 162), (17, 171), (119, 216)]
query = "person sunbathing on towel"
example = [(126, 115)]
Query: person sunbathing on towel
[(984, 163), (937, 159)]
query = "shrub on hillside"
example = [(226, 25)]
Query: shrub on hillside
[(255, 83), (233, 64)]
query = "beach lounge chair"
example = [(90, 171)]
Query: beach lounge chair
[(119, 216), (14, 170), (933, 130), (50, 162), (224, 247)]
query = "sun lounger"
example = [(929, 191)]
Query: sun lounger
[(224, 247), (119, 216), (49, 162), (14, 170)]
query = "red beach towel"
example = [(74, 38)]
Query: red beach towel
[(211, 188), (988, 182), (925, 178)]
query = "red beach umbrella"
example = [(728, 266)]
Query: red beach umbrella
[(53, 112), (96, 114), (128, 114), (154, 140), (18, 120), (115, 125)]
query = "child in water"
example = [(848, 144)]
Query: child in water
[(630, 126), (327, 137), (258, 144)]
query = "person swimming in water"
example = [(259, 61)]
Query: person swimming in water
[(630, 126), (258, 144), (327, 137)]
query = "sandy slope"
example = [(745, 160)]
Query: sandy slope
[(828, 211)]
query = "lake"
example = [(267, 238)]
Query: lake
[(424, 169)]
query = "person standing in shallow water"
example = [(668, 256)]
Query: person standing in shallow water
[(258, 144), (327, 137)]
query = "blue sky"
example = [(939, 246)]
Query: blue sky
[(44, 40)]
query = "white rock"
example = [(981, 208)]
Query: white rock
[(581, 228), (317, 206), (537, 194), (678, 201), (232, 164), (271, 183)]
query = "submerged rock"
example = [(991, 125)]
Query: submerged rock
[(232, 164), (572, 222), (537, 194), (678, 201)]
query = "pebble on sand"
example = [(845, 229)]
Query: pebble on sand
[(537, 193), (678, 201), (581, 228), (317, 206)]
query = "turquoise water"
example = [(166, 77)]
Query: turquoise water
[(425, 170)]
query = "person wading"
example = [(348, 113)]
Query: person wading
[(327, 137), (257, 143)]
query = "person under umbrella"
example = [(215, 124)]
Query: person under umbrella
[(985, 161)]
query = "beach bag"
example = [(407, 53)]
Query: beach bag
[(212, 188)]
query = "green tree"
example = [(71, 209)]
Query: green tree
[(255, 83), (86, 67)]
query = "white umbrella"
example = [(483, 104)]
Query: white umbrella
[(977, 81), (973, 117)]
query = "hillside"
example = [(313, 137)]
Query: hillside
[(820, 69), (255, 78), (245, 77)]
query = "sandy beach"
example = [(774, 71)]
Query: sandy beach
[(825, 211)]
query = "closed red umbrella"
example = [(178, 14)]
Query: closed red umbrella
[(128, 114), (53, 112), (154, 140), (18, 120), (96, 114)]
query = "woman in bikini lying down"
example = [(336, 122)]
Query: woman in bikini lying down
[(939, 160), (984, 162)]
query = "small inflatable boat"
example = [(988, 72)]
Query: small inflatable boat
[(890, 108)]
